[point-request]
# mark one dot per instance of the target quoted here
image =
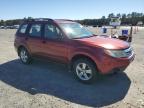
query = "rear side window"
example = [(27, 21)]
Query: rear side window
[(23, 28), (35, 30)]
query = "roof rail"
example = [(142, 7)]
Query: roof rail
[(65, 19), (37, 19)]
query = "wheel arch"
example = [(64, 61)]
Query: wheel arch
[(80, 56)]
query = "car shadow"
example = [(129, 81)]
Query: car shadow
[(54, 79)]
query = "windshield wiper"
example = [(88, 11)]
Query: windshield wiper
[(78, 37)]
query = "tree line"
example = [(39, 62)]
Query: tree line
[(12, 22), (126, 19)]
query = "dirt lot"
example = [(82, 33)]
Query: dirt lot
[(50, 85)]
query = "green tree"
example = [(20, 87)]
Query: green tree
[(2, 23), (103, 17), (118, 15), (111, 15)]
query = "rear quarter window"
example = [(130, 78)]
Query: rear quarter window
[(23, 29)]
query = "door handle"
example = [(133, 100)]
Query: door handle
[(26, 38), (44, 41)]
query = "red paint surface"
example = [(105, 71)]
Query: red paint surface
[(65, 49)]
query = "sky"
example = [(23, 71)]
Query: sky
[(67, 9)]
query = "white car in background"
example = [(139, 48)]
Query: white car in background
[(16, 26), (2, 27)]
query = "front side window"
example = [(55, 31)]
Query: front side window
[(75, 30), (23, 28), (35, 30), (52, 31)]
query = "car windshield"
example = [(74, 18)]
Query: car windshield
[(75, 30)]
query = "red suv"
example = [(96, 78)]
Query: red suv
[(69, 42)]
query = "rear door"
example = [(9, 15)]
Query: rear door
[(34, 39)]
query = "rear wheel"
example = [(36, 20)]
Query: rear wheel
[(85, 71), (24, 56)]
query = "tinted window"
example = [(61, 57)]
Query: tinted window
[(52, 32), (35, 30), (23, 28)]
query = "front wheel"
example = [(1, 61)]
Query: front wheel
[(85, 70), (24, 56)]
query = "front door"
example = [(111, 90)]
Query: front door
[(54, 45)]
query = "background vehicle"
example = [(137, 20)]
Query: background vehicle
[(69, 42), (15, 26), (2, 27)]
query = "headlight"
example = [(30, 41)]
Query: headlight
[(120, 53)]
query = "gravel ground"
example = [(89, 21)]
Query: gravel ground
[(45, 84)]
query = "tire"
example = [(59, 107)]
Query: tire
[(85, 70), (24, 56)]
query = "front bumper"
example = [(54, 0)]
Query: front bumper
[(110, 64)]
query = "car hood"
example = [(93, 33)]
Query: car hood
[(105, 42)]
